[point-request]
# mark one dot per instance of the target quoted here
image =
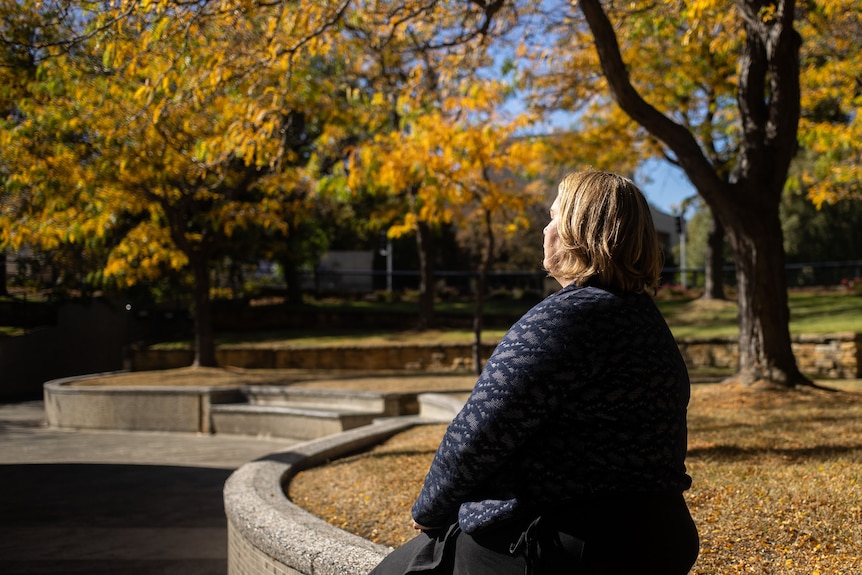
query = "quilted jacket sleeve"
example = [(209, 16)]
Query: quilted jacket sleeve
[(512, 398)]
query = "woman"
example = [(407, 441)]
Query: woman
[(569, 455)]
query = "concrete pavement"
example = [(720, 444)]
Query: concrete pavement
[(111, 502)]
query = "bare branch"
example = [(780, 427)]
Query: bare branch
[(66, 44)]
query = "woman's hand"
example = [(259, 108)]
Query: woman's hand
[(421, 528)]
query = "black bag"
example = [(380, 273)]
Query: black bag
[(429, 553), (437, 555), (547, 549)]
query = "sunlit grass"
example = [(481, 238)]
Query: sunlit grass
[(688, 318), (825, 313), (11, 330), (809, 314)]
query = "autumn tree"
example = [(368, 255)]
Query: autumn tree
[(653, 59), (463, 164), (241, 73), (830, 125), (21, 31), (417, 58), (713, 281), (181, 131), (186, 125), (454, 169), (700, 246), (768, 102), (502, 175), (32, 35), (830, 232)]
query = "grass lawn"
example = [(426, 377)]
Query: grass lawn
[(777, 482), (810, 313)]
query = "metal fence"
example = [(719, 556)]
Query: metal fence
[(464, 282), (808, 274)]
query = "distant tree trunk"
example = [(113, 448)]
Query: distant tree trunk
[(714, 270), (769, 107), (481, 288), (293, 278), (425, 246), (199, 259), (204, 344), (3, 279)]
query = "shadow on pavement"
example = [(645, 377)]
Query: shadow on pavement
[(101, 519)]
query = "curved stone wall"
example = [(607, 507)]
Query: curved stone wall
[(267, 533)]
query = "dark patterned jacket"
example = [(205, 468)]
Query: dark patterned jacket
[(585, 395)]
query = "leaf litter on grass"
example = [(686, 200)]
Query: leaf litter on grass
[(777, 482)]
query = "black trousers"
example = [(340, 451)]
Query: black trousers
[(637, 535)]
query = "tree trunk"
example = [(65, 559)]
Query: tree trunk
[(714, 269), (199, 257), (425, 245), (293, 279), (765, 351), (3, 279), (204, 345)]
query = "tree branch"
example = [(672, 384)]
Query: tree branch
[(783, 53), (676, 137), (769, 92)]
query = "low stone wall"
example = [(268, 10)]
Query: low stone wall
[(142, 408), (390, 356), (441, 406), (837, 355), (832, 355), (267, 533)]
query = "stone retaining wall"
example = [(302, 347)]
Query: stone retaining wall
[(831, 355), (267, 533), (837, 355), (141, 408), (368, 357)]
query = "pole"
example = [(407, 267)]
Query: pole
[(388, 265), (679, 220), (682, 271)]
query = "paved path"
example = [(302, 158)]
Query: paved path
[(108, 503)]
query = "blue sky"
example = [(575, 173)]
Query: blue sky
[(664, 185)]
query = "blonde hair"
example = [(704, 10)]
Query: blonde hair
[(606, 234)]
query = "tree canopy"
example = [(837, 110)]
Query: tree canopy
[(718, 90), (158, 137)]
